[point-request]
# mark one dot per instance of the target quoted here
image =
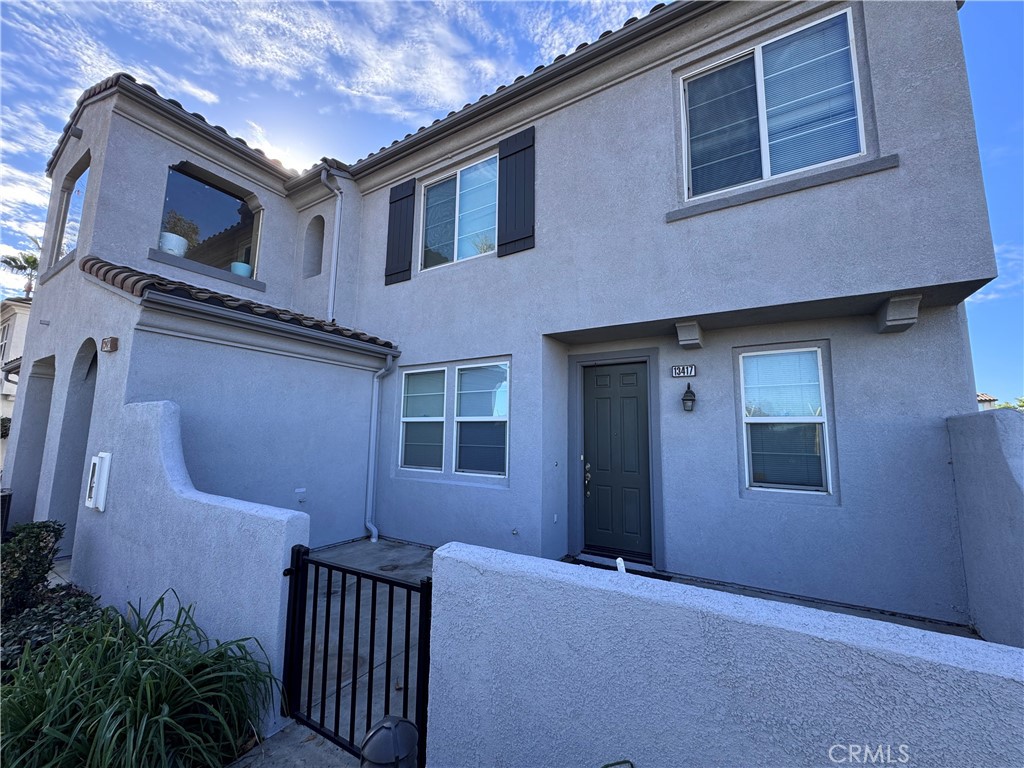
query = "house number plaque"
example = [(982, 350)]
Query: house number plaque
[(679, 371)]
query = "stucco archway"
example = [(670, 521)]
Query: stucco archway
[(69, 472)]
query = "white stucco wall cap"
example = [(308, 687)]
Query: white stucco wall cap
[(868, 634)]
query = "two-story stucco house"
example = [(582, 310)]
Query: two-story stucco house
[(691, 295)]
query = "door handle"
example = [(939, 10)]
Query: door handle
[(586, 480)]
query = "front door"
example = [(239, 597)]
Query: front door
[(616, 461)]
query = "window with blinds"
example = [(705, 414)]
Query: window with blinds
[(784, 419), (788, 105)]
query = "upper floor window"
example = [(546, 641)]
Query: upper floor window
[(5, 335), (789, 104), (209, 223), (461, 215), (784, 420), (72, 200)]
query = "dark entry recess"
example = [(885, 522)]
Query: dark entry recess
[(616, 461)]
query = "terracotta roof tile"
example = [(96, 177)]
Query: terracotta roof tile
[(116, 79), (607, 33), (983, 398), (137, 283), (122, 77)]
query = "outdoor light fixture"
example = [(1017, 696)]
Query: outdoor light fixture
[(689, 398)]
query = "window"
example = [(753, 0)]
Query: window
[(481, 419), (423, 420), (789, 104), (72, 200), (5, 334), (478, 403), (784, 421), (461, 215), (466, 214), (207, 224)]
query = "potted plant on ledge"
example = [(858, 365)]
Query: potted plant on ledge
[(242, 266), (178, 234)]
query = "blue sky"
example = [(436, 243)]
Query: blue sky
[(304, 80)]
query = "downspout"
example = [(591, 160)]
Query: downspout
[(336, 245), (371, 459)]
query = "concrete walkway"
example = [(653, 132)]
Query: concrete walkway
[(296, 747)]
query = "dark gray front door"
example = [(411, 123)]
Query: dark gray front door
[(616, 461)]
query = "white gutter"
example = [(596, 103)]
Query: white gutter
[(336, 245), (371, 459)]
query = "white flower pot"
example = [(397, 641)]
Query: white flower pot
[(176, 245), (241, 268)]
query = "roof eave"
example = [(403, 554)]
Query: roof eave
[(158, 300), (172, 110)]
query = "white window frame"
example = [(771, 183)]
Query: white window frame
[(5, 337), (821, 418), (762, 117), (457, 174), (461, 419), (443, 419)]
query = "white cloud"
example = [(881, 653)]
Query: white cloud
[(25, 133), (290, 157), (557, 28), (1010, 283), (24, 198)]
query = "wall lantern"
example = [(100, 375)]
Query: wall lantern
[(689, 398)]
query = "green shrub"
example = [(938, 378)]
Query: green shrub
[(141, 690), (25, 561), (63, 606)]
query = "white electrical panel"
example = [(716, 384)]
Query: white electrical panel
[(96, 488)]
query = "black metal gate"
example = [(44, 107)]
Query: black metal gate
[(357, 648)]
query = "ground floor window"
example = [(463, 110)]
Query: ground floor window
[(455, 419), (423, 420), (784, 420)]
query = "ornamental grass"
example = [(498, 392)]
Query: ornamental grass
[(136, 690)]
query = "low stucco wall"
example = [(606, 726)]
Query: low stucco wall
[(542, 663), (158, 532), (988, 466)]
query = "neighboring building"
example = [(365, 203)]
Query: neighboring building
[(14, 313), (986, 402), (718, 201)]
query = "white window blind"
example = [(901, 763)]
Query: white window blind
[(790, 104), (784, 420), (810, 98)]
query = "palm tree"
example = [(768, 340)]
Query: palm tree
[(25, 263)]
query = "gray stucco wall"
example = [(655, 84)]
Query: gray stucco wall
[(886, 537), (988, 464), (546, 664), (609, 274), (273, 421), (157, 532)]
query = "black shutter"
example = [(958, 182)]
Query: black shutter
[(515, 193), (398, 267)]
